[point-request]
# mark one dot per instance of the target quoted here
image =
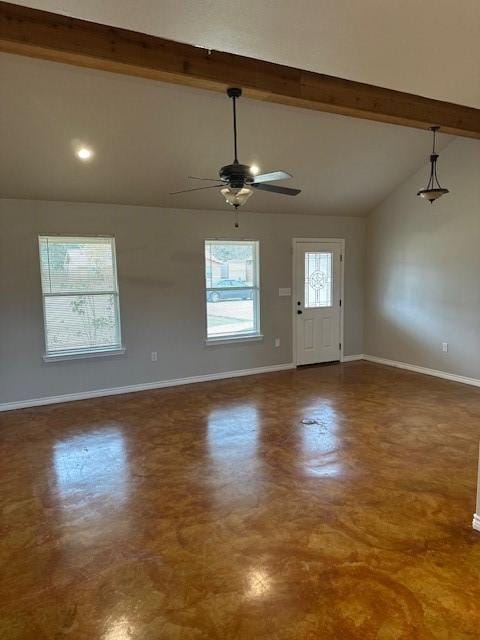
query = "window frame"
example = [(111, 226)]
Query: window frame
[(85, 352), (245, 336)]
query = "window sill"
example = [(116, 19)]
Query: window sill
[(257, 337), (78, 355)]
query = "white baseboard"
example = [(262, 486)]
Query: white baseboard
[(98, 393), (429, 372), (476, 522)]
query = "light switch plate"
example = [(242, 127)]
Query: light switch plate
[(284, 291)]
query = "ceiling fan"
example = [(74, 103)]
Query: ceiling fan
[(236, 180)]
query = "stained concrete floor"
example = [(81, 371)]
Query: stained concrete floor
[(331, 502)]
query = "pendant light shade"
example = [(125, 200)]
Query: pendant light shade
[(432, 194), (433, 190)]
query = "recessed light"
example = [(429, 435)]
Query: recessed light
[(254, 169), (84, 153)]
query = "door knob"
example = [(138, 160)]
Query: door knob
[(299, 312)]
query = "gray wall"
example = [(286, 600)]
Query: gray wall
[(161, 278), (423, 269)]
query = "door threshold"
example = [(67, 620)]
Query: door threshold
[(318, 364)]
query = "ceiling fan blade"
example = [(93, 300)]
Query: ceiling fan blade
[(208, 179), (271, 176), (213, 186), (286, 191)]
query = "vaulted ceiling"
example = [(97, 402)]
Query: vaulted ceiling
[(427, 47), (149, 136)]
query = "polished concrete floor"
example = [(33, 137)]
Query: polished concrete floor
[(331, 502)]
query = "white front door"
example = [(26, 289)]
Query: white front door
[(317, 301)]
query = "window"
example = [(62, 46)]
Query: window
[(232, 292), (80, 296)]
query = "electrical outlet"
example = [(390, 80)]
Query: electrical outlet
[(445, 347), (154, 356), (277, 342)]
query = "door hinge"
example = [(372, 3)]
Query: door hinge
[(340, 302), (340, 346), (341, 258)]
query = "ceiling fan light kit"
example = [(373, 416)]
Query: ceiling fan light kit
[(236, 197), (433, 190), (237, 180)]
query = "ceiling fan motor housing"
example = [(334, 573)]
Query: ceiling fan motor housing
[(236, 175)]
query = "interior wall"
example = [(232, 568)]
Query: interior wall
[(160, 259), (423, 269)]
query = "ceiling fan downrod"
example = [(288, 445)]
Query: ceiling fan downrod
[(234, 93)]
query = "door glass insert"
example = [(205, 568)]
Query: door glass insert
[(318, 279)]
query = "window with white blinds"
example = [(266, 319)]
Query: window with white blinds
[(80, 295)]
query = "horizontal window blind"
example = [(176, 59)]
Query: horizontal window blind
[(80, 294)]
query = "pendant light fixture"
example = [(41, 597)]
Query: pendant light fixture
[(433, 190)]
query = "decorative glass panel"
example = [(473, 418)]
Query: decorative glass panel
[(318, 279)]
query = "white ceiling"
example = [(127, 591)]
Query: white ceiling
[(149, 136), (427, 47)]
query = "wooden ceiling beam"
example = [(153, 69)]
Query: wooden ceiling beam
[(50, 36)]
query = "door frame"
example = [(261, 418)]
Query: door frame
[(341, 242)]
